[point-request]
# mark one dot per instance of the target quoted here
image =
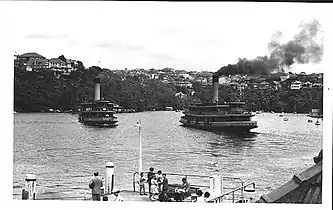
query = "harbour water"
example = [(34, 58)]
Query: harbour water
[(64, 154)]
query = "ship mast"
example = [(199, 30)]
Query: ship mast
[(138, 124)]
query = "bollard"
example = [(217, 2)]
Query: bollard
[(30, 184), (211, 185), (109, 178), (216, 186)]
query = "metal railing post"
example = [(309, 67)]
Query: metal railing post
[(242, 191), (233, 196)]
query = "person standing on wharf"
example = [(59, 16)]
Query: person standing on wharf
[(95, 186)]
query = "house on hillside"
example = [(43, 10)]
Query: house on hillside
[(264, 85), (37, 64), (317, 85), (284, 78), (296, 85), (58, 66), (277, 85), (154, 76), (307, 84), (30, 58), (169, 108), (34, 62), (27, 56), (303, 76), (71, 64), (184, 84), (223, 80), (181, 95), (186, 76)]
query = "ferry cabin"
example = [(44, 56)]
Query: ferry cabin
[(97, 111), (233, 111)]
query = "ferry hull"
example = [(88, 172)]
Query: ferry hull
[(99, 123), (230, 127)]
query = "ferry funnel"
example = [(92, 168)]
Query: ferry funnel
[(97, 89), (215, 89)]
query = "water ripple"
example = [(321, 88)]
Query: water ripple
[(64, 154)]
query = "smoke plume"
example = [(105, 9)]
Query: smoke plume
[(305, 47)]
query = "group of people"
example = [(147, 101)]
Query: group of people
[(96, 184), (182, 191), (156, 182), (202, 197)]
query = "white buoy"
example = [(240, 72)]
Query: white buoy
[(30, 185), (109, 178)]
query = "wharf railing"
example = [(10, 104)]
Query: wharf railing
[(219, 199), (196, 181)]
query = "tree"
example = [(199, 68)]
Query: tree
[(80, 66), (62, 57), (196, 86)]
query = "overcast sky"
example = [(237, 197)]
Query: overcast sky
[(191, 36)]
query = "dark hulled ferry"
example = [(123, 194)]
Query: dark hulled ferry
[(227, 117), (98, 112)]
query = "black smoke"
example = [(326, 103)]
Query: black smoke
[(305, 47)]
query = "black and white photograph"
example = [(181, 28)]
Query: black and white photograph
[(186, 102)]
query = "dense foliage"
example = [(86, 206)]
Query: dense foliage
[(37, 91), (41, 91), (280, 100)]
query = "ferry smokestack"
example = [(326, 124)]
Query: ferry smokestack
[(97, 89), (215, 89)]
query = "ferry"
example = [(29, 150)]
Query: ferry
[(227, 117), (99, 113)]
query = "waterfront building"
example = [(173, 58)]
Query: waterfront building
[(296, 85)]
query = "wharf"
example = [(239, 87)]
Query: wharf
[(127, 195)]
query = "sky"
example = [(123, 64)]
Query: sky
[(191, 36)]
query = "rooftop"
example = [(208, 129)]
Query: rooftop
[(37, 61), (32, 54), (56, 60), (305, 187)]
